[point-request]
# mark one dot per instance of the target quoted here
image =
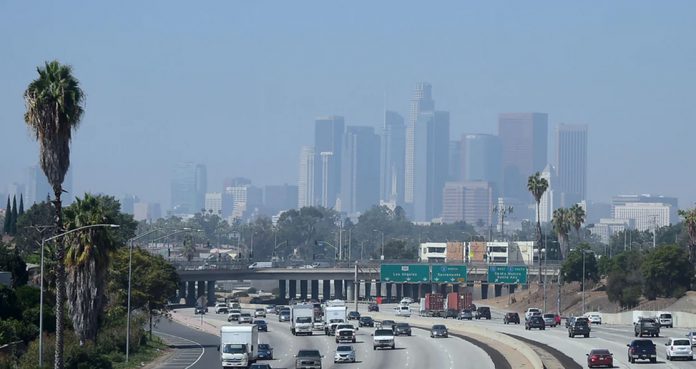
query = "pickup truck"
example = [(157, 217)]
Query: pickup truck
[(646, 326), (383, 338), (308, 359), (579, 327)]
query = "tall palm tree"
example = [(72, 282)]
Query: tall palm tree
[(54, 103), (561, 225), (87, 259), (690, 223), (537, 186), (577, 217)]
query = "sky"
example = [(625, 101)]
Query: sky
[(236, 85)]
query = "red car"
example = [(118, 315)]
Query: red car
[(600, 357), (557, 318)]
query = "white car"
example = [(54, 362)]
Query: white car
[(260, 313), (692, 337), (665, 320), (383, 338), (220, 307), (679, 348), (594, 318), (245, 318), (233, 315), (530, 312), (406, 301), (402, 310), (344, 354)]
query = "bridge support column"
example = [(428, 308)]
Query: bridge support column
[(282, 290), (389, 291), (347, 295), (484, 291), (314, 289), (326, 290), (455, 287), (182, 291), (511, 288), (443, 289), (498, 290), (378, 289), (368, 290), (292, 289), (211, 293), (350, 291), (338, 289), (303, 290), (191, 293), (200, 291), (399, 291)]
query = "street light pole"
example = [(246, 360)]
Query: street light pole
[(583, 278), (41, 293)]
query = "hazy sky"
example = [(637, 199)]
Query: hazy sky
[(236, 85)]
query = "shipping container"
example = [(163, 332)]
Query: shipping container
[(466, 298), (434, 304), (453, 301)]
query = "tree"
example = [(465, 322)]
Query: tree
[(625, 281), (690, 222), (399, 250), (53, 110), (576, 217), (13, 224), (87, 261), (21, 205), (561, 225), (666, 272), (11, 262), (8, 217), (31, 228), (537, 186), (572, 266)]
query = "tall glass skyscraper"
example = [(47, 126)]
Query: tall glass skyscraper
[(360, 170), (523, 137), (571, 162), (481, 158), (328, 139), (393, 151), (189, 185)]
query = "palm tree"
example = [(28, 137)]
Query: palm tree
[(54, 108), (561, 225), (577, 217), (87, 260), (537, 186), (690, 223), (189, 250)]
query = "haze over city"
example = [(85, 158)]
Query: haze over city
[(238, 86)]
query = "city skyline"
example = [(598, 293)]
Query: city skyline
[(576, 74)]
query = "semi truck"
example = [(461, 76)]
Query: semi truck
[(335, 313), (301, 319), (432, 305), (239, 346)]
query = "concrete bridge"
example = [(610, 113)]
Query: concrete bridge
[(339, 281)]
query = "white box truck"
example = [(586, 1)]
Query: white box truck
[(301, 319), (333, 316), (239, 345)]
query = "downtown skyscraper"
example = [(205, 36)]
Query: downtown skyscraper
[(523, 137), (305, 181), (328, 141), (393, 151), (360, 172), (571, 163), (189, 186)]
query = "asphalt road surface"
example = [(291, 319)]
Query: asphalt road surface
[(193, 349)]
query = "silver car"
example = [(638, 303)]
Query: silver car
[(344, 354), (245, 318)]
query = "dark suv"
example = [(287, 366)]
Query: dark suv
[(511, 318), (579, 327), (366, 321), (308, 359), (402, 329), (642, 350), (648, 327), (483, 312), (535, 322)]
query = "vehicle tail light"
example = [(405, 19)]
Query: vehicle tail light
[(594, 358)]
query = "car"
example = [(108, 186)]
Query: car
[(402, 329), (646, 326), (642, 349), (550, 320), (678, 348), (483, 312), (344, 354), (234, 315), (594, 318), (345, 333), (372, 307), (260, 366), (557, 319), (406, 301), (284, 316), (579, 328), (265, 351), (386, 324), (263, 326), (531, 311), (245, 318), (665, 320), (600, 357), (402, 310), (220, 308), (260, 313), (571, 320), (353, 315), (366, 321), (465, 314), (383, 338), (692, 337), (200, 310), (535, 322), (308, 359), (270, 309), (511, 317), (438, 330)]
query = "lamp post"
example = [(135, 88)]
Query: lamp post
[(130, 274), (382, 234), (584, 252), (41, 293)]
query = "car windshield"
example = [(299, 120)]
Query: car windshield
[(308, 353), (534, 310), (388, 322), (284, 312), (666, 316), (439, 327), (303, 319), (643, 343), (383, 332), (264, 346), (681, 343), (234, 349), (259, 321), (344, 348), (402, 325)]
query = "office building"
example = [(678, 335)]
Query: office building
[(454, 172), (393, 156), (246, 200), (523, 137), (278, 198), (549, 200), (571, 163), (37, 188), (145, 211), (328, 142), (422, 101), (128, 202), (647, 198), (471, 202), (306, 182), (481, 159), (647, 216), (189, 186), (359, 170), (219, 203), (608, 227)]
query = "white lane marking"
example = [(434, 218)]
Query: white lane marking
[(186, 339)]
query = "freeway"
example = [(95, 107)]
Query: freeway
[(417, 351), (192, 349)]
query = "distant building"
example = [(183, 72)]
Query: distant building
[(246, 199), (144, 211), (393, 156), (278, 198), (360, 174), (647, 216), (549, 200), (306, 180), (189, 186), (214, 203), (520, 252), (571, 163), (454, 173), (328, 138), (37, 188), (471, 202), (481, 159), (523, 137), (646, 198), (431, 164), (128, 202), (422, 101), (608, 227)]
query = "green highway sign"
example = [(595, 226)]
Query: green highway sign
[(448, 273), (507, 274), (404, 273)]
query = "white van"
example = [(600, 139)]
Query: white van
[(402, 310)]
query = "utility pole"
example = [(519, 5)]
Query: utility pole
[(356, 285)]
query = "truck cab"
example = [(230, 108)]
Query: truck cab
[(646, 326), (238, 346), (302, 319)]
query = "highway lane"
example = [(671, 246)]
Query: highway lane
[(192, 349), (417, 351)]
